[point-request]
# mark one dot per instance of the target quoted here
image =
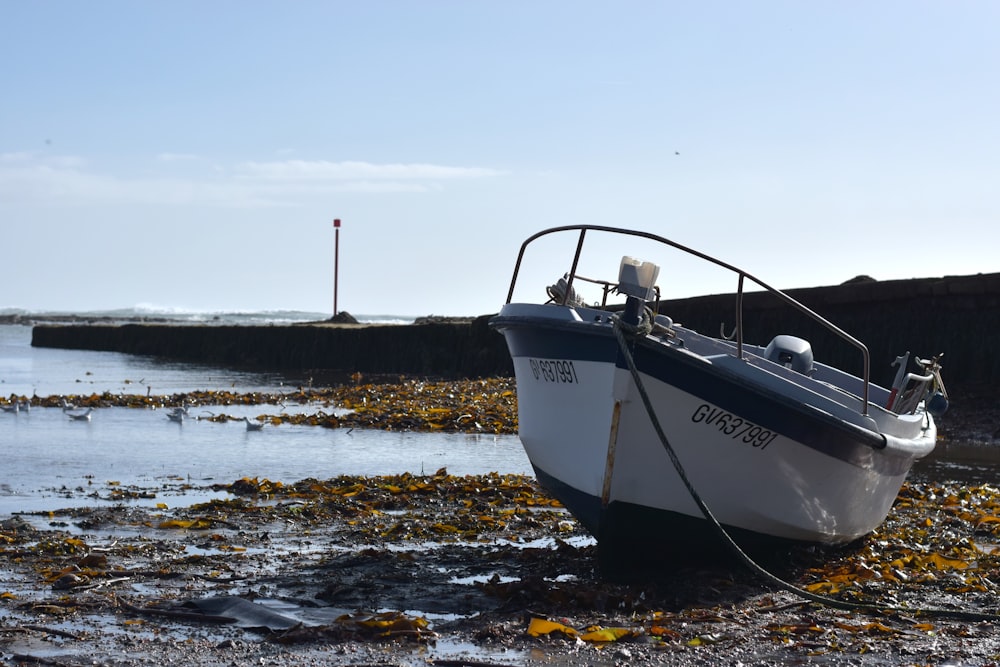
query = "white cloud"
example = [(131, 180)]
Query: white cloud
[(325, 170), (69, 180), (22, 156), (44, 184), (29, 158), (383, 186)]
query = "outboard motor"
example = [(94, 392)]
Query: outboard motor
[(636, 280), (791, 352)]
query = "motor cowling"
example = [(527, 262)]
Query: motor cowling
[(791, 352)]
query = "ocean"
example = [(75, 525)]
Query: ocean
[(52, 462), (149, 312)]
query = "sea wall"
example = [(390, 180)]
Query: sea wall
[(466, 348), (956, 315)]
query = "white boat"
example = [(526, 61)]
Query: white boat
[(648, 431)]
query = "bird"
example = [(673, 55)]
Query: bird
[(66, 406), (253, 426), (13, 408), (80, 416), (177, 415)]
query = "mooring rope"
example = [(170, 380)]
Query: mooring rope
[(620, 328)]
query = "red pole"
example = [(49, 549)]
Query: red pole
[(336, 261)]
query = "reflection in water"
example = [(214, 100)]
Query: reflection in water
[(971, 463), (48, 457)]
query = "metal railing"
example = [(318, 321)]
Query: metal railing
[(742, 276)]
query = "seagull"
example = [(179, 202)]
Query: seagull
[(13, 408), (253, 426), (80, 416), (66, 406), (177, 415)]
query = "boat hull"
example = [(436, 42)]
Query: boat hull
[(767, 466)]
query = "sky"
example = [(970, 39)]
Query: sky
[(193, 155)]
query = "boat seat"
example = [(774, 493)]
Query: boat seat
[(791, 352)]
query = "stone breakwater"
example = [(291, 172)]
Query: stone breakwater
[(447, 349), (956, 315)]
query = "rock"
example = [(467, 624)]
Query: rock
[(343, 317)]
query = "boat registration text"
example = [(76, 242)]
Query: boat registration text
[(559, 371), (735, 427)]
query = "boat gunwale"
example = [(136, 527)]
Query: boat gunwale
[(742, 276), (866, 439)]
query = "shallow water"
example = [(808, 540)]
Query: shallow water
[(27, 371), (52, 461), (971, 463)]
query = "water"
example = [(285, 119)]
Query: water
[(51, 461), (146, 312)]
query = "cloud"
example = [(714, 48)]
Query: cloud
[(12, 158), (295, 189), (69, 180), (30, 158), (66, 181), (340, 171)]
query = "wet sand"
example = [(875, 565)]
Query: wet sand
[(407, 570), (471, 570)]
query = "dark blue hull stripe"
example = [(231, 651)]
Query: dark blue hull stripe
[(637, 529), (533, 337)]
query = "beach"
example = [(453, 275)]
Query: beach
[(414, 535), (446, 569)]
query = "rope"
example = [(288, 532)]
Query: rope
[(620, 328)]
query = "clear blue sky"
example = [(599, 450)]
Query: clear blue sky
[(194, 154)]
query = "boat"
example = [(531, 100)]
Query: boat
[(657, 437)]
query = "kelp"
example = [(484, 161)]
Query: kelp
[(469, 406), (937, 548), (938, 537), (538, 627), (384, 626), (440, 506)]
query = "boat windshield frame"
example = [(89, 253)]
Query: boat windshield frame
[(742, 277)]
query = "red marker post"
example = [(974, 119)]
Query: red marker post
[(336, 261)]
